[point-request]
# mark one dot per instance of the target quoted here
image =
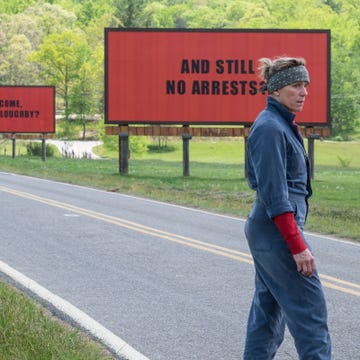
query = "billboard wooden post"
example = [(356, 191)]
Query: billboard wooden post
[(13, 139), (245, 156), (246, 135), (43, 148), (124, 152), (186, 157), (311, 152)]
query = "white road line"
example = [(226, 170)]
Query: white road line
[(113, 342)]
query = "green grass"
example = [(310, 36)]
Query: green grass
[(337, 154), (335, 208), (28, 331)]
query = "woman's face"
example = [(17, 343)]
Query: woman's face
[(292, 96)]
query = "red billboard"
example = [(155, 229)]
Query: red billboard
[(27, 109), (157, 76)]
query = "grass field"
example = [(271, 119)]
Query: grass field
[(29, 332)]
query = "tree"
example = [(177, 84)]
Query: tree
[(345, 25), (129, 11), (61, 56), (21, 34), (14, 7), (157, 15), (83, 95), (16, 70), (92, 10), (50, 18), (94, 33), (15, 45)]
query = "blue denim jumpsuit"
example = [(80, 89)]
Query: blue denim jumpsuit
[(278, 171)]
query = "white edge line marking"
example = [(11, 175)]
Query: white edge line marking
[(116, 344)]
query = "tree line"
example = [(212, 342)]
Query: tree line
[(61, 42)]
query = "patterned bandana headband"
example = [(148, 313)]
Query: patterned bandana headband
[(287, 77)]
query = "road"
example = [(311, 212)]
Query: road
[(172, 282)]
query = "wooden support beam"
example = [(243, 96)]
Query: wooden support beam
[(29, 136), (322, 132), (156, 130)]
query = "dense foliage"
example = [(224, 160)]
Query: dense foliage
[(60, 42)]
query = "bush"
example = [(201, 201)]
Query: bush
[(35, 149), (138, 144), (161, 149)]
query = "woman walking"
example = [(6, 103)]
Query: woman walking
[(287, 287)]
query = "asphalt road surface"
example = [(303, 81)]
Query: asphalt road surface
[(174, 283)]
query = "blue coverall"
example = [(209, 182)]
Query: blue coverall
[(278, 170)]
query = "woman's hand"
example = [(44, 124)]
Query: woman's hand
[(305, 263)]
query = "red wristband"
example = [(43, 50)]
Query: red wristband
[(288, 228)]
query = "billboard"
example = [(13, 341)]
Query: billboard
[(167, 76), (27, 109)]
